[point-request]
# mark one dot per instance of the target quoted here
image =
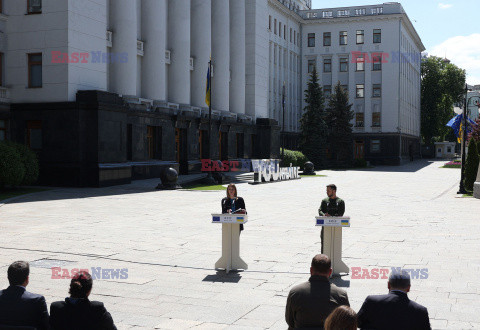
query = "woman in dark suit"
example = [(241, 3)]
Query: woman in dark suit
[(232, 203), (77, 312)]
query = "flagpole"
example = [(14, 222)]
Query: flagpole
[(461, 189), (209, 179)]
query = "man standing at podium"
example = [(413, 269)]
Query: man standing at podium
[(332, 206)]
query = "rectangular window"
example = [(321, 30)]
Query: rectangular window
[(3, 130), (275, 26), (154, 141), (343, 64), (290, 34), (239, 145), (375, 146), (327, 91), (377, 36), (343, 38), (360, 91), (285, 32), (34, 6), (1, 6), (377, 90), (327, 39), (377, 62), (270, 23), (360, 37), (343, 13), (294, 37), (1, 66), (376, 119), (345, 88), (311, 40), (360, 63), (129, 141), (280, 29), (377, 11), (327, 14), (327, 65), (35, 70), (311, 65), (34, 134), (359, 12), (359, 119), (298, 38)]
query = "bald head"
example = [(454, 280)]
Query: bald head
[(321, 265)]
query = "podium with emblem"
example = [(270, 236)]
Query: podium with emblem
[(332, 240)]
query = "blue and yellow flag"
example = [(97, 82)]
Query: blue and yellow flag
[(456, 123), (208, 92)]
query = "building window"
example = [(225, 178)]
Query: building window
[(280, 29), (359, 119), (360, 91), (343, 13), (360, 37), (291, 35), (3, 130), (275, 26), (240, 145), (311, 65), (327, 39), (376, 119), (327, 14), (343, 38), (378, 10), (34, 134), (154, 141), (343, 64), (327, 65), (377, 62), (270, 23), (327, 91), (285, 32), (1, 6), (1, 67), (34, 6), (375, 146), (359, 12), (35, 70), (377, 90), (360, 63), (377, 36), (311, 40), (345, 88), (294, 37)]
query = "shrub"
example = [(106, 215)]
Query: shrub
[(471, 165), (360, 162), (296, 158), (30, 162), (12, 170)]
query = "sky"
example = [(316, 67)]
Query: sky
[(448, 28)]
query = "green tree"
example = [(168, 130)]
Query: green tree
[(313, 129), (471, 165), (338, 116), (442, 85)]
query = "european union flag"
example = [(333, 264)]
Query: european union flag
[(209, 86), (320, 221), (216, 218), (456, 123)]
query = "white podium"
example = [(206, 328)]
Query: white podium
[(230, 259), (332, 240)]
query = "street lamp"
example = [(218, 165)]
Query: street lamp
[(467, 99)]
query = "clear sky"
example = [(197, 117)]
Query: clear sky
[(448, 28)]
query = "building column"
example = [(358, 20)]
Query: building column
[(220, 54), (179, 46), (154, 31), (237, 56), (124, 26), (201, 44)]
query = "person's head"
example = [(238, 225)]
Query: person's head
[(321, 265), (18, 273), (331, 191), (81, 285), (399, 281), (342, 317), (231, 191)]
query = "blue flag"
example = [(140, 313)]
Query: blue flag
[(456, 123)]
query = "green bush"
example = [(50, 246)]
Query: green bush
[(360, 162), (296, 158), (30, 161), (12, 170), (471, 165)]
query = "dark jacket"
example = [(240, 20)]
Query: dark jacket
[(227, 204), (19, 307), (79, 314), (310, 303), (392, 311)]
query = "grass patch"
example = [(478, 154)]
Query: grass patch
[(205, 187), (9, 193), (451, 166), (468, 194), (311, 175)]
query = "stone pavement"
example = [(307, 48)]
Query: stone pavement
[(407, 216)]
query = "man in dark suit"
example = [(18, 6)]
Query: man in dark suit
[(18, 307), (310, 303), (393, 310)]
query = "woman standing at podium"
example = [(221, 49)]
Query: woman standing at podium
[(232, 203)]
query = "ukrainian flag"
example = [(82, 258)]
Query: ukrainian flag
[(209, 87), (345, 222)]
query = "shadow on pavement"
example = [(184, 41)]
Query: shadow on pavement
[(414, 166), (221, 276), (338, 281)]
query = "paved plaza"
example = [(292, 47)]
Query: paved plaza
[(408, 216)]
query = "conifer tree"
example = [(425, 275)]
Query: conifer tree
[(471, 165), (313, 136)]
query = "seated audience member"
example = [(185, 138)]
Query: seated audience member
[(342, 318), (77, 312), (18, 307), (309, 303), (393, 310)]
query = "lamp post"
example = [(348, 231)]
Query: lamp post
[(467, 99), (283, 123)]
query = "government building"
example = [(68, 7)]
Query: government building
[(108, 91)]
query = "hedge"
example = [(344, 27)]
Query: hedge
[(471, 165), (18, 165), (296, 158)]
